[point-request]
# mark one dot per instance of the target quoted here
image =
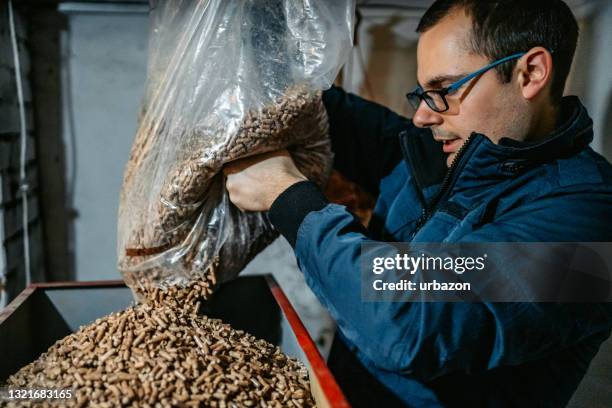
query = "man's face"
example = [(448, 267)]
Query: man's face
[(484, 105)]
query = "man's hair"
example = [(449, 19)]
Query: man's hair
[(504, 27)]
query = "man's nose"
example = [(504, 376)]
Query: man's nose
[(426, 117)]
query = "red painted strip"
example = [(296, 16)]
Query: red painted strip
[(326, 380)]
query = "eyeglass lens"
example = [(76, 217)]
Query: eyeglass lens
[(433, 99)]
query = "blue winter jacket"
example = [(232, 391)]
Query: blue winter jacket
[(456, 354)]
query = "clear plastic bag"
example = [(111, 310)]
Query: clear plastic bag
[(226, 79)]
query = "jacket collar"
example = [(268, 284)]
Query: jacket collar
[(485, 160)]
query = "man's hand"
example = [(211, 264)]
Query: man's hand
[(255, 182)]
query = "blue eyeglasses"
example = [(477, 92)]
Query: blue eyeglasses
[(436, 98)]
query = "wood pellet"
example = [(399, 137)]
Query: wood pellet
[(131, 359)]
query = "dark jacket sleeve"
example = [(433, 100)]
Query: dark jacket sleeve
[(429, 339), (364, 137)]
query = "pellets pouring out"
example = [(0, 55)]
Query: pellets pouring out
[(188, 236)]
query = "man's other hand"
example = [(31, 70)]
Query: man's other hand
[(255, 182)]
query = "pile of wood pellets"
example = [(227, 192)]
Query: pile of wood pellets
[(162, 353)]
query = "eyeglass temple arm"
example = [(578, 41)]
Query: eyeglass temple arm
[(473, 75)]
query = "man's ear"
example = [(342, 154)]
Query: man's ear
[(535, 70)]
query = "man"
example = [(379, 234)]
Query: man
[(492, 154)]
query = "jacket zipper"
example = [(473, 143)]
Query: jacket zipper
[(428, 211)]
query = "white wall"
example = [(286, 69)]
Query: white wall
[(382, 65), (598, 95), (104, 73)]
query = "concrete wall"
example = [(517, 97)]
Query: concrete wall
[(104, 66), (590, 77), (598, 70)]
